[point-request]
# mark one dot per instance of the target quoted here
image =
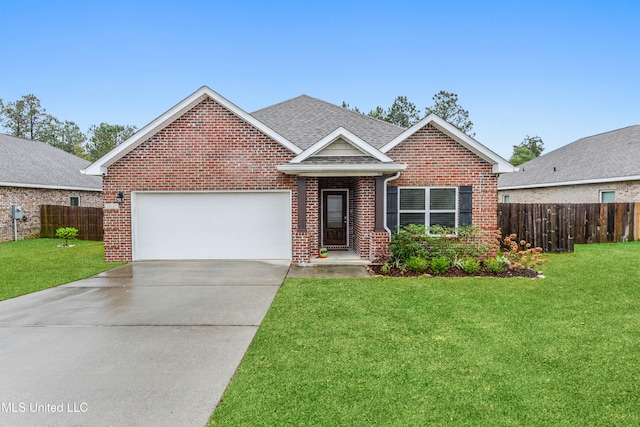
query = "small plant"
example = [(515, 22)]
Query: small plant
[(67, 233), (521, 253), (440, 264), (470, 265), (494, 265), (385, 268), (417, 264)]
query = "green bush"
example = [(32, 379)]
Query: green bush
[(408, 242), (67, 233), (494, 265), (470, 265), (414, 241), (440, 264), (385, 268), (417, 264)]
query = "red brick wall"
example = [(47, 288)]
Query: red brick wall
[(436, 160), (305, 244), (208, 148)]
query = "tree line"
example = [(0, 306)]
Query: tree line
[(404, 113), (26, 118)]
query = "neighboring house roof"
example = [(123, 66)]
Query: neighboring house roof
[(27, 163), (305, 120), (307, 126), (607, 157)]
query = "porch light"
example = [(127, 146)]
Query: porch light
[(120, 197)]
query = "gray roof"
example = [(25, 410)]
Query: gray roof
[(305, 120), (27, 163), (608, 156)]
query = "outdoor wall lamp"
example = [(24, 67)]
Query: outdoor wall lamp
[(120, 197)]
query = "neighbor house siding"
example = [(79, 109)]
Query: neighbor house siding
[(626, 192), (30, 199), (207, 149), (436, 160)]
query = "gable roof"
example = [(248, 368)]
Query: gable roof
[(499, 164), (33, 164), (305, 120), (302, 122), (100, 166), (342, 134), (606, 157)]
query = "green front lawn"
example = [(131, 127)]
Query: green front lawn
[(32, 265), (561, 351)]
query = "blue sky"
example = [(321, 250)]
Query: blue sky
[(561, 70)]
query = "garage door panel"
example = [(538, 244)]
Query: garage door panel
[(229, 225)]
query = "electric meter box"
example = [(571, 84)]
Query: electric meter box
[(16, 212)]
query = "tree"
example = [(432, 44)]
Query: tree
[(23, 117), (402, 113), (528, 149), (446, 107), (104, 137), (64, 135), (378, 113), (26, 118), (348, 107)]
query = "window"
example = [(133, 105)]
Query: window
[(428, 206), (75, 201), (607, 196), (505, 198)]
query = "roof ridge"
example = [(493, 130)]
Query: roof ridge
[(604, 133), (359, 113), (280, 103)]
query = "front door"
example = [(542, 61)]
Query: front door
[(334, 218)]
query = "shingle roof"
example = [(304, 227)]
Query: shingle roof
[(27, 163), (606, 156), (305, 120)]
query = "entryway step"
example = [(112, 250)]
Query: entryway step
[(335, 257)]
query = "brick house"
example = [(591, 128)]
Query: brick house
[(206, 180), (33, 173), (600, 168)]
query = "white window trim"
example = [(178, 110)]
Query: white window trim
[(74, 197), (427, 211)]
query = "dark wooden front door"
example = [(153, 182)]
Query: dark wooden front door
[(334, 218)]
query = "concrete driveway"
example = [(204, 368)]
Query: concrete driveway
[(152, 343)]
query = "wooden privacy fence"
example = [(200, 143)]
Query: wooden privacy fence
[(557, 227), (88, 221)]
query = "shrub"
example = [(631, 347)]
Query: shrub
[(470, 265), (494, 265), (67, 233), (408, 242), (413, 240), (417, 264), (385, 268), (521, 253), (440, 264)]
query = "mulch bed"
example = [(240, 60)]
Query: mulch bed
[(455, 272)]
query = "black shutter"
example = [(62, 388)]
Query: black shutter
[(392, 208), (466, 205)]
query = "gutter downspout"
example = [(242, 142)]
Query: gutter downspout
[(391, 178)]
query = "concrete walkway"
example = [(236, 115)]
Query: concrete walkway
[(146, 344)]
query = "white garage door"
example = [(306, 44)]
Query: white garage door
[(217, 225)]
